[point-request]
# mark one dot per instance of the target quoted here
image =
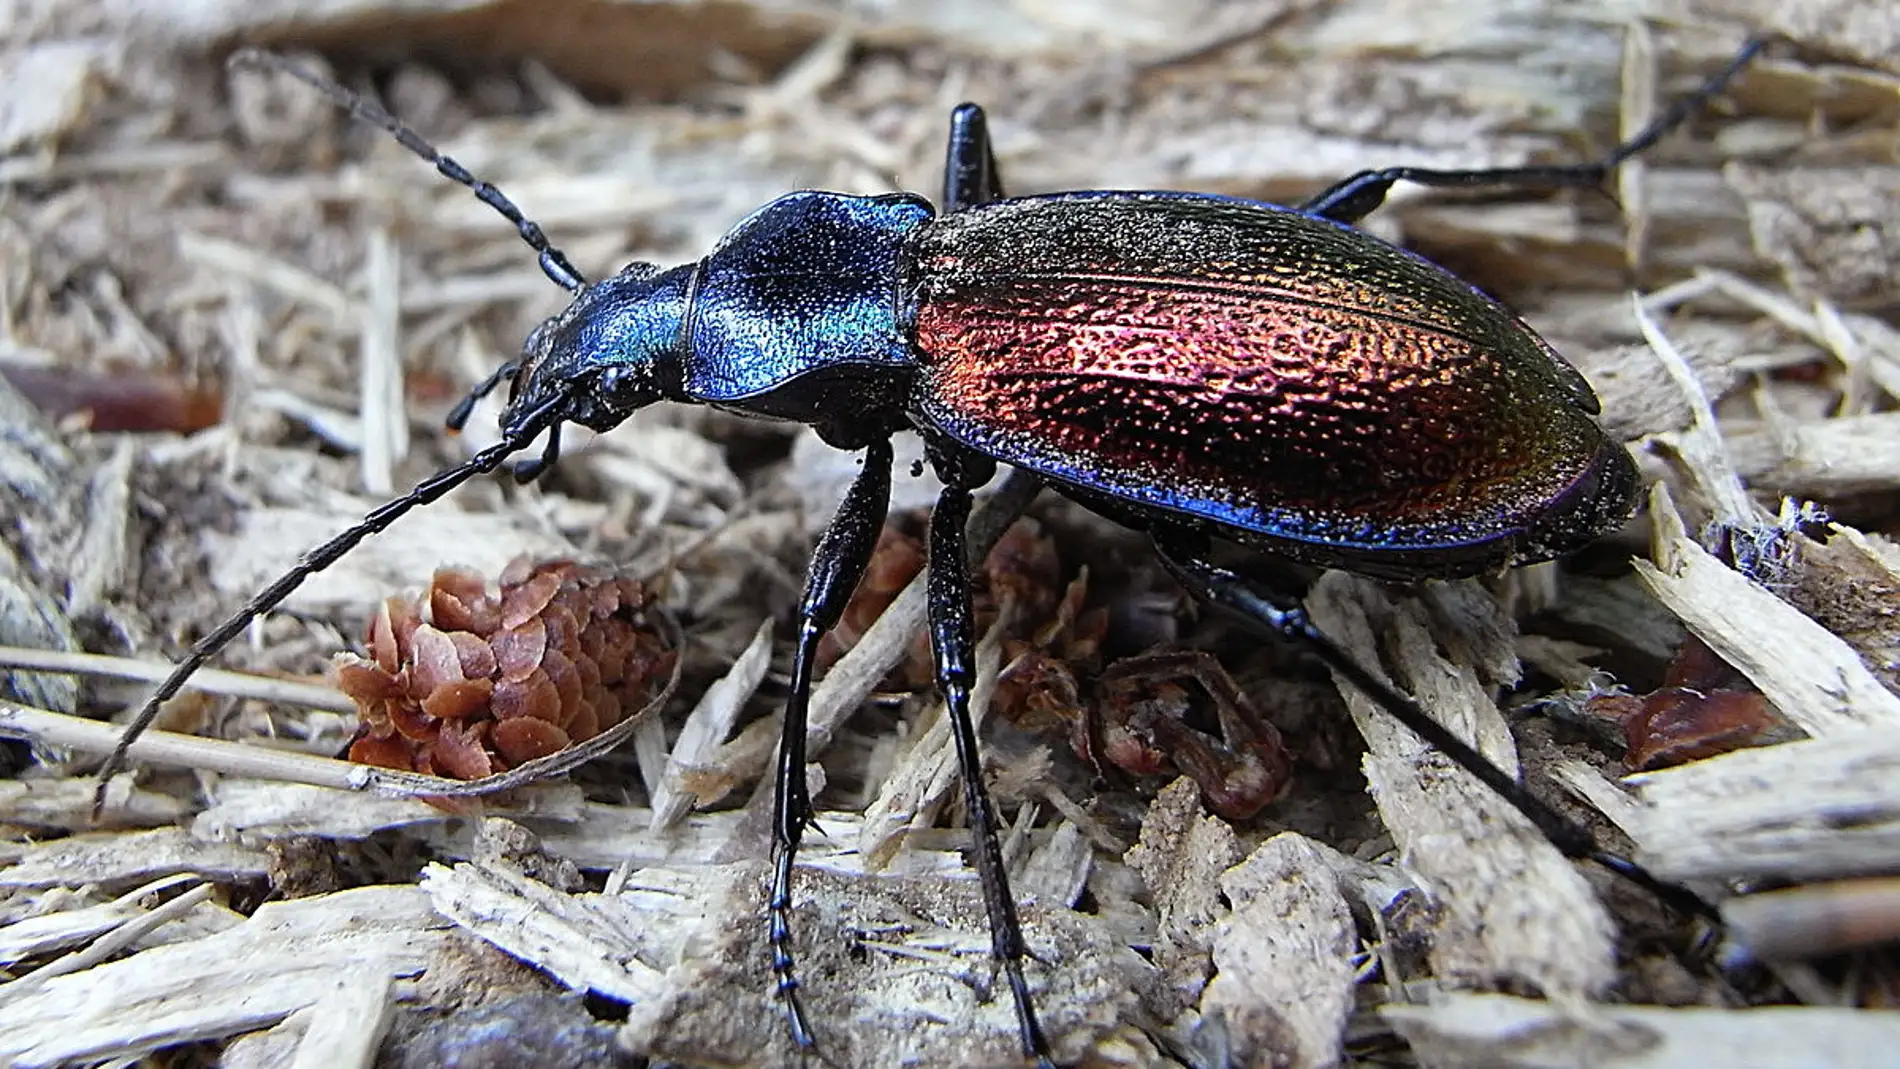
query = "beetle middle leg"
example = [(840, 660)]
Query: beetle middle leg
[(1283, 615), (953, 642), (969, 166), (1355, 197), (842, 556)]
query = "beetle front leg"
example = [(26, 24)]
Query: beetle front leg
[(1283, 615), (969, 167), (839, 562), (953, 641)]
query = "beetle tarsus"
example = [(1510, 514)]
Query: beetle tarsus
[(1682, 108), (779, 935)]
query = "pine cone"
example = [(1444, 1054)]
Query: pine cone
[(476, 684)]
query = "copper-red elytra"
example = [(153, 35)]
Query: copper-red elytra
[(1203, 368)]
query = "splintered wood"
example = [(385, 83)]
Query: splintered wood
[(231, 321)]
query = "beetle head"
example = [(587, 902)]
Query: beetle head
[(611, 352)]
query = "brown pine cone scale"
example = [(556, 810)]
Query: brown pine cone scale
[(463, 682)]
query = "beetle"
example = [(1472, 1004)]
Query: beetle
[(1206, 369)]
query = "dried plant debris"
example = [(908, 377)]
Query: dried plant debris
[(1704, 707), (904, 976), (1283, 959), (110, 403), (231, 319), (1497, 1030), (1140, 714), (1816, 920), (286, 957)]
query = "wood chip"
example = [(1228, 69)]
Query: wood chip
[(51, 87), (1814, 809), (1180, 858), (1814, 678), (1496, 1030), (705, 730), (1816, 920), (1285, 980), (118, 858), (1513, 906), (581, 940), (289, 955)]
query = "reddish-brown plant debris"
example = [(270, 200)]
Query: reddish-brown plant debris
[(1138, 714), (121, 400), (1704, 707), (1021, 576), (464, 683), (898, 559)]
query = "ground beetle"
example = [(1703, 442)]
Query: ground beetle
[(1203, 368)]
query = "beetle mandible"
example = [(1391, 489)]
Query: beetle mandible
[(1203, 368)]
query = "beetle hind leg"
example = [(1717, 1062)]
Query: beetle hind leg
[(969, 166), (1355, 197), (1285, 616)]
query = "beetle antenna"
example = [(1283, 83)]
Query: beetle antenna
[(554, 263), (311, 563)]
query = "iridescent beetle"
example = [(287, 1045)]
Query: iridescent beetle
[(1202, 368)]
